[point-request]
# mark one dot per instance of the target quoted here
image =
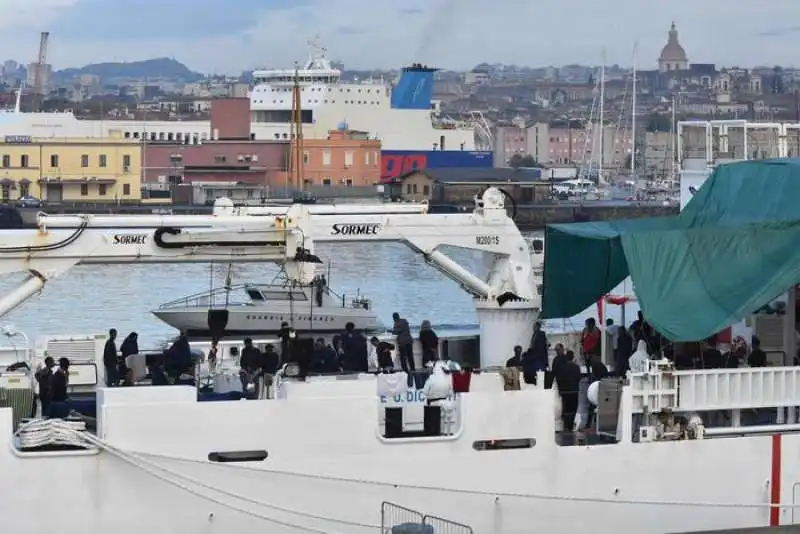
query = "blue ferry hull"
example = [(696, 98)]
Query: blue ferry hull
[(395, 163)]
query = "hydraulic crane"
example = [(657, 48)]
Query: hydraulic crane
[(507, 301), (61, 242)]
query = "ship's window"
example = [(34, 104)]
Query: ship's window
[(284, 295), (237, 456), (254, 294), (503, 444)]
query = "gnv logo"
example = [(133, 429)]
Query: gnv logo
[(408, 396)]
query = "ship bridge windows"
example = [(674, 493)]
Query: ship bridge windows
[(261, 295), (283, 116)]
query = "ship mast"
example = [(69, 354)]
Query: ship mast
[(633, 111), (296, 157)]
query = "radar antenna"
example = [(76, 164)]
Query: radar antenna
[(317, 50)]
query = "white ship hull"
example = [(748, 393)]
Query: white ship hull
[(328, 471), (250, 320)]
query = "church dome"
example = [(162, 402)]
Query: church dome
[(673, 51)]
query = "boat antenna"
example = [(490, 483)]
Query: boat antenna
[(228, 284), (210, 281)]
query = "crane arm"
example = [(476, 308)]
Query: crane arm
[(488, 228), (61, 242), (225, 206)]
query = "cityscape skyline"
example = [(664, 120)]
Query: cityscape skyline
[(208, 36)]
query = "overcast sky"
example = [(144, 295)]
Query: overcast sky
[(233, 35)]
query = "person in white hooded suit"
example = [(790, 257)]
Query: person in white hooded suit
[(438, 391), (640, 361), (439, 386)]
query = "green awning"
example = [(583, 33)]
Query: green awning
[(734, 248)]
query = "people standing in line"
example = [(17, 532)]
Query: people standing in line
[(623, 351), (757, 358), (59, 387), (516, 359), (612, 335), (568, 378), (383, 354), (642, 330), (129, 347), (639, 362), (212, 356), (354, 350), (538, 355), (43, 377), (110, 359), (272, 360), (158, 374), (595, 368), (286, 336), (404, 342), (249, 364), (559, 358), (429, 342), (711, 356), (324, 358), (178, 359), (590, 340)]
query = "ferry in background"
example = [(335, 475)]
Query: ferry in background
[(403, 114), (395, 163)]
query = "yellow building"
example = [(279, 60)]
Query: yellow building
[(70, 169)]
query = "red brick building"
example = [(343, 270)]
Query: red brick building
[(233, 159), (250, 162)]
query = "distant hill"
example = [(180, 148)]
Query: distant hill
[(149, 68)]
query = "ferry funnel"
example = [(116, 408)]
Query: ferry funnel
[(414, 89)]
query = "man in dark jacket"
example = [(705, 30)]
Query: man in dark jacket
[(59, 385), (537, 357), (43, 378), (250, 364), (354, 350), (324, 359), (383, 354), (110, 359), (405, 343), (568, 378), (271, 360)]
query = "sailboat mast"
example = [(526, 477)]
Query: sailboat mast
[(297, 133), (633, 109), (602, 112), (674, 137)]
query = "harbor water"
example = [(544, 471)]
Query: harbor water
[(91, 299)]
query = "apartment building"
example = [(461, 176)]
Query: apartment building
[(562, 145), (70, 169)]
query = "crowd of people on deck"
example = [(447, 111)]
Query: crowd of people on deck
[(53, 382), (630, 349), (348, 352), (126, 365), (649, 344)]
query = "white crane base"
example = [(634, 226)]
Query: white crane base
[(503, 327)]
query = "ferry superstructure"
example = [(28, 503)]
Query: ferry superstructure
[(402, 115)]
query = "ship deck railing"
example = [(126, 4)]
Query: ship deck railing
[(716, 389)]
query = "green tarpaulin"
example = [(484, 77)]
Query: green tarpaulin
[(735, 247)]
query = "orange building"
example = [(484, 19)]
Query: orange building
[(346, 158)]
